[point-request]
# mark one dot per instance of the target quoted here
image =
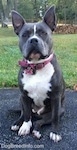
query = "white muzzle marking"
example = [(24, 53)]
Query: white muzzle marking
[(34, 29)]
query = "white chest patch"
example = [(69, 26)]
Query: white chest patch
[(38, 85)]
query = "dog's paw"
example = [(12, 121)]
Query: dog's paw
[(25, 128), (14, 128), (55, 137), (40, 111), (36, 134)]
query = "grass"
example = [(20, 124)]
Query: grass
[(9, 56), (65, 47)]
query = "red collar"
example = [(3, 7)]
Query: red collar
[(31, 67)]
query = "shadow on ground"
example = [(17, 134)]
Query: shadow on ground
[(9, 99)]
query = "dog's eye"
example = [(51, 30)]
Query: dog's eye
[(26, 34), (42, 33)]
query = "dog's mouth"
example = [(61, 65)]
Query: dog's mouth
[(33, 56)]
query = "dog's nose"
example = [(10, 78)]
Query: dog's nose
[(34, 41)]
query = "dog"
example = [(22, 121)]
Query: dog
[(40, 78)]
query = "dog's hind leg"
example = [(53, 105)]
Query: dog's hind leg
[(46, 119)]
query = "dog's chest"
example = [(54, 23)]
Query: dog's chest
[(38, 85)]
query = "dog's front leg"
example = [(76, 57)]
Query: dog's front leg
[(18, 123), (26, 109), (55, 105)]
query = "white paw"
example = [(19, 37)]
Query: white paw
[(55, 137), (14, 127), (25, 128), (33, 111), (36, 134), (40, 111)]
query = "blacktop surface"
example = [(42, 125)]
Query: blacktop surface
[(9, 100)]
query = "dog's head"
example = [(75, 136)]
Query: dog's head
[(35, 39)]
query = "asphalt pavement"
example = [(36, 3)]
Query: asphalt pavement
[(9, 100)]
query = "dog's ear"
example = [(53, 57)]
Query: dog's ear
[(17, 21), (50, 18)]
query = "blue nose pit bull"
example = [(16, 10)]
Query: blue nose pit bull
[(40, 78)]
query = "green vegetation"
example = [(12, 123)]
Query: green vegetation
[(9, 56), (65, 47), (66, 10)]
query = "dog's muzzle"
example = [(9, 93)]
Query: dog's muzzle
[(35, 48)]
